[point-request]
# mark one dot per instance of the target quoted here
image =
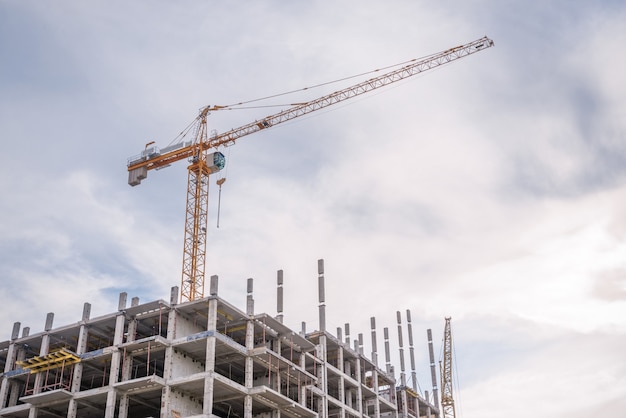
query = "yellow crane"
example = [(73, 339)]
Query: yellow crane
[(447, 400), (205, 159)]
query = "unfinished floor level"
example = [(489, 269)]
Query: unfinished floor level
[(201, 358)]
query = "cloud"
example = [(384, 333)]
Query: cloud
[(489, 190)]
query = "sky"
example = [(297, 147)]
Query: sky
[(491, 190)]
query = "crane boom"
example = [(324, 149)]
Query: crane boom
[(228, 138), (204, 163)]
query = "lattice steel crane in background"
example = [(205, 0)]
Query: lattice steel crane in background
[(447, 400), (204, 163)]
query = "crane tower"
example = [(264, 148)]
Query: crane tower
[(204, 157), (447, 400)]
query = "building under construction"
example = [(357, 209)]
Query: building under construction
[(205, 358)]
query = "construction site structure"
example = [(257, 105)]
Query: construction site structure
[(447, 399), (204, 163), (203, 358)]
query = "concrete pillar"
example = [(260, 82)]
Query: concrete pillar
[(359, 393), (81, 348), (387, 352), (375, 371), (401, 345), (374, 347), (15, 388), (169, 352), (302, 399), (342, 381), (249, 363), (360, 350), (403, 398), (118, 338), (375, 387), (322, 294), (411, 350), (433, 373), (322, 373), (277, 347), (279, 296), (250, 298), (322, 347), (126, 362), (9, 365), (207, 405), (45, 346), (277, 379), (213, 284), (45, 349)]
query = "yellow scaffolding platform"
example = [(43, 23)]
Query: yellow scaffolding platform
[(50, 361)]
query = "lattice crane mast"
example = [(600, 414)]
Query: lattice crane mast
[(447, 400), (204, 163)]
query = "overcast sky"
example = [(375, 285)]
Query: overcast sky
[(492, 190)]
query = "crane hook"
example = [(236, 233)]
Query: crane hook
[(219, 182)]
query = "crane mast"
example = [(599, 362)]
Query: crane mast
[(203, 163), (447, 400)]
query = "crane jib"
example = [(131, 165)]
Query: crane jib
[(164, 158)]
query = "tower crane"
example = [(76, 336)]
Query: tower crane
[(205, 159), (447, 400)]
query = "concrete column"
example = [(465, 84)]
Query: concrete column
[(9, 365), (359, 392), (126, 362), (249, 363), (81, 348), (347, 369), (277, 378), (375, 387), (169, 352), (360, 341), (323, 347), (302, 395), (279, 296), (374, 345), (45, 346), (207, 405), (403, 397), (411, 350), (322, 295), (118, 338), (14, 388), (342, 381), (433, 373), (322, 376), (387, 352)]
